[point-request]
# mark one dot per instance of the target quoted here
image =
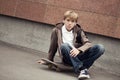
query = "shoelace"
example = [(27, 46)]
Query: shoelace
[(84, 72)]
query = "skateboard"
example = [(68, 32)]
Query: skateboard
[(56, 65)]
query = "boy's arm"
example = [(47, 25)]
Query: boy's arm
[(86, 43), (53, 45)]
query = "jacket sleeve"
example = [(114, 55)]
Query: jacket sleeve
[(86, 43), (53, 45)]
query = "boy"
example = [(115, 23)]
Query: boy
[(73, 46)]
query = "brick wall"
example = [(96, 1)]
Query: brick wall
[(95, 16)]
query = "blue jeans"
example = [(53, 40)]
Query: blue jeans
[(82, 60)]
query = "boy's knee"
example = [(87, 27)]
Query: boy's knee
[(101, 48)]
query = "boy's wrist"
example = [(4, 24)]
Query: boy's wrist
[(80, 51)]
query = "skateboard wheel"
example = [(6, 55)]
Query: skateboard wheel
[(50, 66)]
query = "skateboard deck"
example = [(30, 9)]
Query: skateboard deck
[(56, 65)]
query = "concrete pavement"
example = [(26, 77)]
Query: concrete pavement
[(19, 64)]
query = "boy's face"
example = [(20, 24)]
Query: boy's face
[(69, 23)]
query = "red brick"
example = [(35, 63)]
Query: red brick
[(71, 4), (31, 10), (96, 23), (54, 14), (41, 1), (117, 29), (7, 7), (107, 7), (119, 10)]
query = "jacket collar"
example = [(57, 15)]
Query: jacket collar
[(76, 28)]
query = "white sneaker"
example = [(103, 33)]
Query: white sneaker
[(84, 74)]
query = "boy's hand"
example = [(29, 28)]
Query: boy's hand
[(41, 62), (74, 52)]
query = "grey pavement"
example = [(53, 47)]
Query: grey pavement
[(20, 64)]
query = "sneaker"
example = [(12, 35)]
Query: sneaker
[(84, 74)]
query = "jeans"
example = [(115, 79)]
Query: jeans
[(82, 60)]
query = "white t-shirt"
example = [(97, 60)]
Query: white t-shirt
[(67, 36)]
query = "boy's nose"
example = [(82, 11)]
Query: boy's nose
[(70, 22)]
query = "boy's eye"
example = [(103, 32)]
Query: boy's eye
[(68, 20), (72, 21)]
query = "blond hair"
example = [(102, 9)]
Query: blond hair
[(71, 14)]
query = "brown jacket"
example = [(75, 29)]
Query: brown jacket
[(80, 40)]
